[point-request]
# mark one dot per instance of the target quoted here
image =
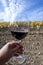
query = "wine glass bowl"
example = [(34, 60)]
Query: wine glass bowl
[(19, 34)]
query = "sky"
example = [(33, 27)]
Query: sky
[(16, 10)]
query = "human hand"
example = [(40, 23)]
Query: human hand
[(13, 48)]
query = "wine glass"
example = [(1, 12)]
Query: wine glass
[(19, 34)]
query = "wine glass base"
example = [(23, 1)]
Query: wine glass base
[(20, 59)]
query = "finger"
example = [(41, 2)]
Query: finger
[(17, 45), (21, 49), (16, 54), (21, 46), (15, 49), (20, 52), (13, 44)]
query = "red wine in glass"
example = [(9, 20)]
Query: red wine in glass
[(20, 35)]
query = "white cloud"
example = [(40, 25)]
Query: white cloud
[(16, 9), (7, 14), (13, 10)]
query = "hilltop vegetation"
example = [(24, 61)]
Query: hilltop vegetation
[(37, 24), (17, 24)]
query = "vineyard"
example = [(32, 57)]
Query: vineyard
[(16, 24), (33, 43)]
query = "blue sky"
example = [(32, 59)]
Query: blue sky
[(12, 10)]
